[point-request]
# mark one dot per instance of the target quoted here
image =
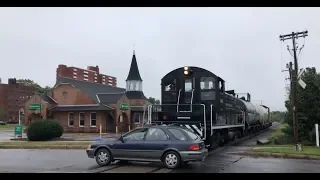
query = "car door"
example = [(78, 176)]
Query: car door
[(131, 146), (156, 141)]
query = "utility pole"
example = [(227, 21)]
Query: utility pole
[(294, 79)]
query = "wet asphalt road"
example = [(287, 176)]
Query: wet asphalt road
[(219, 161), (222, 161)]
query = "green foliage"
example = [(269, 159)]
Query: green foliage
[(153, 100), (308, 107), (38, 88), (43, 130), (278, 116)]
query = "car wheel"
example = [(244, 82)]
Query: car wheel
[(171, 160), (103, 157)]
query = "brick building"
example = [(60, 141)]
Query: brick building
[(12, 97), (91, 74), (83, 106)]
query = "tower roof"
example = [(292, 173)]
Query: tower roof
[(134, 70)]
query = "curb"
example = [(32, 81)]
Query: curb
[(44, 147), (276, 155)]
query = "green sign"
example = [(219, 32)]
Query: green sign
[(124, 106), (35, 106), (18, 130)]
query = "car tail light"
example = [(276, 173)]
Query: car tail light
[(164, 117), (194, 147)]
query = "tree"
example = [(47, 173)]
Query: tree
[(153, 100), (38, 88), (308, 106), (278, 116)]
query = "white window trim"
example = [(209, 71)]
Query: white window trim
[(91, 119), (83, 120), (69, 119)]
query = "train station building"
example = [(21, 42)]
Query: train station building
[(83, 106)]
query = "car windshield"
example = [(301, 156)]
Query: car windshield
[(192, 135)]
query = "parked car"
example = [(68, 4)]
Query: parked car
[(2, 123), (171, 145)]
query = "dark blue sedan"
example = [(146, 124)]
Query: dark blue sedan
[(171, 145)]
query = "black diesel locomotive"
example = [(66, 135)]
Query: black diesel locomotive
[(196, 98)]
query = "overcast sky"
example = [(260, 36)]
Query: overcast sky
[(241, 45)]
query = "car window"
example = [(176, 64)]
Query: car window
[(156, 134), (192, 135), (178, 134), (136, 135)]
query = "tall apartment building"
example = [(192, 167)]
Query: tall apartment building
[(91, 74), (12, 97)]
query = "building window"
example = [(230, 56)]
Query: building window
[(85, 72), (86, 79), (93, 119), (74, 69), (137, 118), (71, 119), (85, 75), (74, 77), (81, 119), (75, 73)]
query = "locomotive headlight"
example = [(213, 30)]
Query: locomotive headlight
[(185, 72), (186, 68)]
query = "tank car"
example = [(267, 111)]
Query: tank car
[(196, 98)]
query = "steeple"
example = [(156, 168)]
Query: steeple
[(134, 81)]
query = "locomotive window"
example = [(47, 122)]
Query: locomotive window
[(171, 86), (188, 85), (207, 83)]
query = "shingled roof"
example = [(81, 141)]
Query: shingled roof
[(90, 89), (48, 99), (109, 98), (135, 95), (134, 70)]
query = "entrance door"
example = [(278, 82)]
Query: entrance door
[(187, 94), (110, 124)]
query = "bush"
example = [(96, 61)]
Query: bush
[(42, 130)]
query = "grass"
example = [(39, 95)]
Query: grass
[(7, 127), (289, 149), (277, 133), (44, 144)]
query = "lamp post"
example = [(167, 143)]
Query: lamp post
[(21, 111)]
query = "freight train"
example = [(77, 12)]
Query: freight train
[(195, 98)]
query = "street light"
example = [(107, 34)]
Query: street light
[(21, 111)]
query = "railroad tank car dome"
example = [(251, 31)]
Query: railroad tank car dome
[(194, 69)]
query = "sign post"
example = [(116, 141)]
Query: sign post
[(317, 135), (18, 130)]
